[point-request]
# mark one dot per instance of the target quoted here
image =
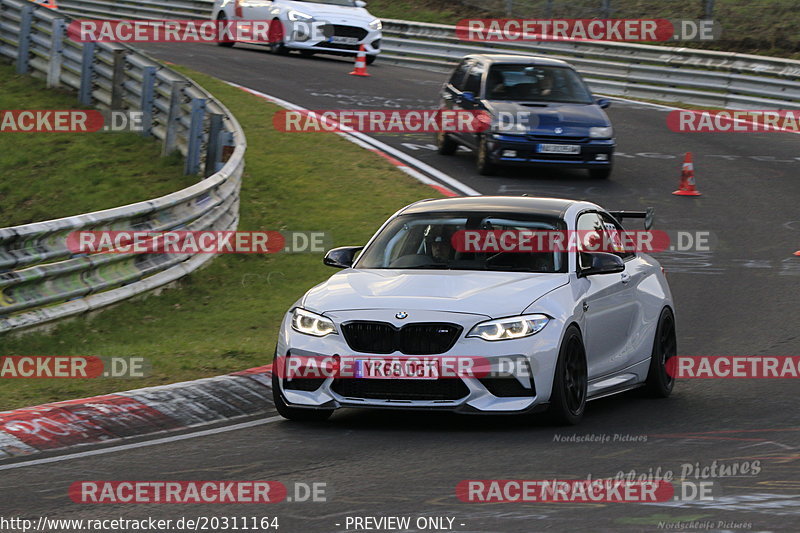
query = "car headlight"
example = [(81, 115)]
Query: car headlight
[(376, 24), (509, 328), (296, 16), (311, 323), (601, 133)]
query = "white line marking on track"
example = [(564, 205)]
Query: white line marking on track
[(356, 136), (672, 108), (154, 442)]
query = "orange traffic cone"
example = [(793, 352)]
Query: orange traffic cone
[(687, 186), (361, 62)]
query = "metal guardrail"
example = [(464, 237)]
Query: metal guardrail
[(700, 77), (40, 278), (138, 9)]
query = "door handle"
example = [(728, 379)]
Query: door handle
[(625, 277)]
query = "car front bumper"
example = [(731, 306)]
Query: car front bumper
[(371, 40), (519, 150), (530, 362)]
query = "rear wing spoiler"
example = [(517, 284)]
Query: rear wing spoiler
[(647, 215)]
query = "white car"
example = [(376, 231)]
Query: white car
[(557, 328), (329, 26)]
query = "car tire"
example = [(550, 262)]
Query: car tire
[(485, 166), (276, 42), (298, 414), (371, 59), (659, 383), (445, 145), (570, 382), (600, 173), (226, 44)]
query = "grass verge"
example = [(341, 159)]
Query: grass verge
[(225, 317), (53, 175)]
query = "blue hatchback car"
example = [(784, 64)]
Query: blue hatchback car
[(542, 114)]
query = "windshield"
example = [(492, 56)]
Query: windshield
[(348, 3), (425, 241), (536, 83)]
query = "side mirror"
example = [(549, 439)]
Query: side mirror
[(468, 96), (602, 263), (341, 257), (361, 3), (605, 103)]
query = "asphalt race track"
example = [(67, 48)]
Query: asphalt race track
[(741, 298)]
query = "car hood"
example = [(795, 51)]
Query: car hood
[(574, 119), (347, 15), (494, 294)]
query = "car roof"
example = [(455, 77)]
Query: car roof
[(520, 59), (548, 207)]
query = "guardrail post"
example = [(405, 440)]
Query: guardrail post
[(118, 79), (214, 146), (509, 8), (192, 165), (171, 135), (87, 73), (24, 48), (228, 146), (709, 10), (548, 10), (146, 104), (606, 9), (56, 51)]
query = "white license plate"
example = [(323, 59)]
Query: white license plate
[(344, 40), (559, 149), (396, 369)]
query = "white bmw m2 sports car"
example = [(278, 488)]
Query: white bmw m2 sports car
[(311, 26), (417, 319)]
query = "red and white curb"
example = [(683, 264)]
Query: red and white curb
[(112, 418), (404, 162)]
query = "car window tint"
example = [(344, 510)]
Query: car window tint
[(457, 79), (537, 83), (474, 76), (590, 237), (427, 241), (614, 232)]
